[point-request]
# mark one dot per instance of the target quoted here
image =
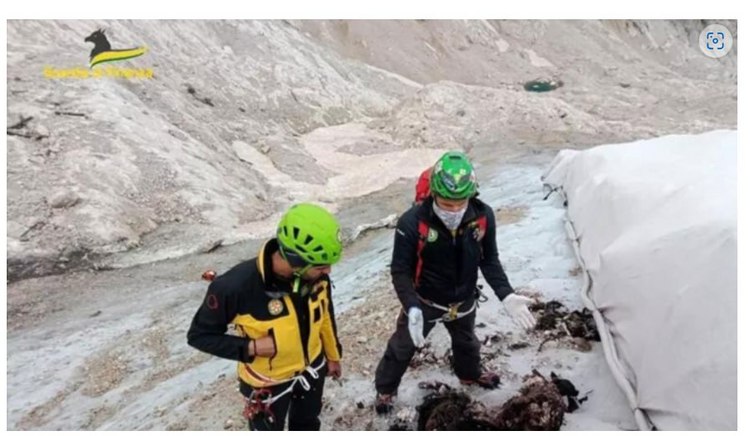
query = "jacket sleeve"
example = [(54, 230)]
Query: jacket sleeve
[(490, 265), (404, 260), (208, 331), (329, 331)]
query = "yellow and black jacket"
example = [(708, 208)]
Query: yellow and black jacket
[(258, 304)]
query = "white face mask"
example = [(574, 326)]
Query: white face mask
[(451, 219)]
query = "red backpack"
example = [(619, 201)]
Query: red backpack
[(423, 186)]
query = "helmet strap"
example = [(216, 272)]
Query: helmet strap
[(298, 278), (298, 264)]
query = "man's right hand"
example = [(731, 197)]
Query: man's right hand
[(262, 347), (416, 326)]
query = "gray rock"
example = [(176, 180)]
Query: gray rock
[(63, 199)]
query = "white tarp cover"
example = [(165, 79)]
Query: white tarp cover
[(655, 223)]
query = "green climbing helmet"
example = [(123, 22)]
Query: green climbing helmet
[(453, 177), (309, 235)]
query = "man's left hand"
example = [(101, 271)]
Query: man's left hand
[(517, 306), (334, 369)]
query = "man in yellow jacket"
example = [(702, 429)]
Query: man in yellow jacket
[(285, 338)]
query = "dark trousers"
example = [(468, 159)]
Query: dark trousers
[(401, 349), (303, 407)]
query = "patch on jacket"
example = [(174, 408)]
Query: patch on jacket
[(275, 306), (477, 231), (432, 235)]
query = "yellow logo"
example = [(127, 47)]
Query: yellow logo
[(103, 52), (100, 54)]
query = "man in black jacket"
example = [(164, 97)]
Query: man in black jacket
[(439, 246), (285, 338)]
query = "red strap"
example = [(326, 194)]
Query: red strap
[(258, 403), (423, 229), (482, 223), (482, 226)]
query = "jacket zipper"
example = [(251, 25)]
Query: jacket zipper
[(303, 315), (275, 349), (464, 222)]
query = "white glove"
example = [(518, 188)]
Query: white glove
[(517, 306), (416, 326)]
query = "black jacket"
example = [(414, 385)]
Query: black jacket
[(449, 265), (257, 304)]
